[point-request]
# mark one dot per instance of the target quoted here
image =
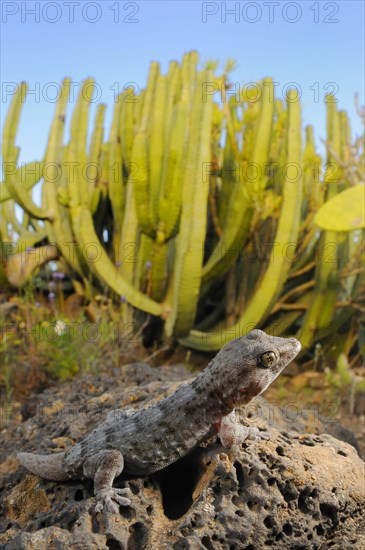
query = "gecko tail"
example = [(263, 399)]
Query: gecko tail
[(46, 466)]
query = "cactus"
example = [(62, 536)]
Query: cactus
[(158, 151), (272, 282), (27, 174), (59, 230), (82, 223), (321, 308), (116, 179), (190, 242), (172, 220), (94, 159), (10, 152), (238, 216)]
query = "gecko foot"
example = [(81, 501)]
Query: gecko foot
[(107, 498)]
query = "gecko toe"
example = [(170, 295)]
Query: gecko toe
[(109, 499), (99, 507), (125, 492), (110, 506), (123, 501)]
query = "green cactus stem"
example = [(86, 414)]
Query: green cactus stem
[(103, 267), (59, 231), (94, 158), (190, 241), (322, 306), (12, 182), (116, 179), (22, 265), (237, 218), (271, 284)]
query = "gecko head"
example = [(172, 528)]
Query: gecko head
[(245, 367)]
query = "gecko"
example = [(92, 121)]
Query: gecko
[(144, 441)]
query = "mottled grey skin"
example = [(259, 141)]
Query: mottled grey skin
[(145, 441)]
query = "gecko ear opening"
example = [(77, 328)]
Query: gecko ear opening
[(267, 360)]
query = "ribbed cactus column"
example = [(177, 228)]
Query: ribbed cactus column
[(28, 174), (116, 179), (95, 158), (55, 194), (242, 193), (129, 238), (270, 286), (159, 152), (184, 290), (10, 156), (82, 222), (129, 235), (321, 308)]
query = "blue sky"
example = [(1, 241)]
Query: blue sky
[(318, 45)]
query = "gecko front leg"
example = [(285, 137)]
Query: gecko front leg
[(232, 433), (104, 467)]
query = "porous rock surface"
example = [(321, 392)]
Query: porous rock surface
[(294, 490)]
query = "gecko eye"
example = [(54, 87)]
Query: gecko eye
[(267, 360)]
